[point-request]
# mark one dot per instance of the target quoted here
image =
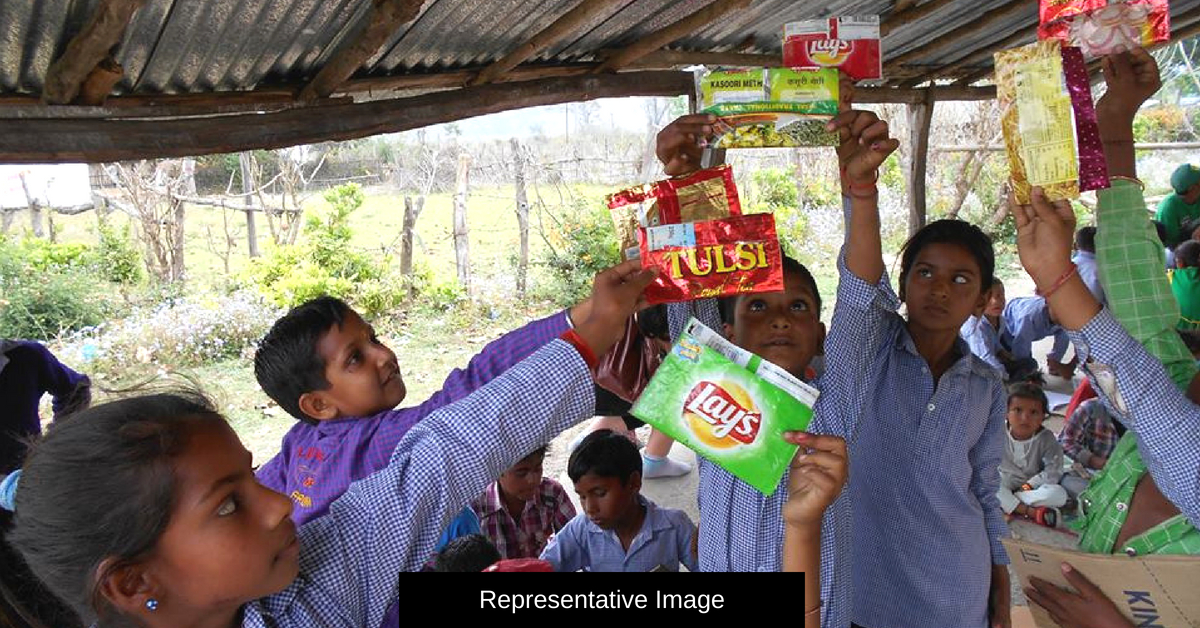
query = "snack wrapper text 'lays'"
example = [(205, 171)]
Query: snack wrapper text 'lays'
[(728, 405)]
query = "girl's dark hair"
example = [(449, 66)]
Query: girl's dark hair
[(607, 454), (1024, 390), (949, 231), (99, 485)]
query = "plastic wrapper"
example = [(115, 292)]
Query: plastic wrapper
[(702, 195), (770, 107), (1099, 27), (1041, 116), (849, 44), (713, 258), (728, 405)]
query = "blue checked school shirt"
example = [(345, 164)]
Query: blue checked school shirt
[(664, 540), (983, 340), (923, 471), (316, 463), (389, 521), (741, 529), (1137, 391), (1027, 320)]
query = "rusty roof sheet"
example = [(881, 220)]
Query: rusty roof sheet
[(196, 46)]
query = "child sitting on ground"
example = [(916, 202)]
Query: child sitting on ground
[(1088, 437), (1026, 321), (1185, 283), (1033, 460), (522, 509), (982, 331), (467, 554), (618, 530)]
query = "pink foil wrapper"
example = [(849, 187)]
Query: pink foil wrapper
[(1093, 169)]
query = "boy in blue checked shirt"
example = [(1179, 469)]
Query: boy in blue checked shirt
[(1027, 320), (618, 530)]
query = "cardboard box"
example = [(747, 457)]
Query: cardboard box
[(1152, 591)]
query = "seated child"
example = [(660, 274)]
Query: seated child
[(1089, 438), (1033, 459), (467, 554), (982, 332), (1185, 283), (522, 509), (619, 530), (1027, 320)]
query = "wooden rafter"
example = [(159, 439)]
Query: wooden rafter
[(1022, 36), (384, 18), (670, 33), (87, 49), (984, 23), (104, 140), (569, 23), (903, 16)]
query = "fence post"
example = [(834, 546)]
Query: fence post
[(462, 255), (522, 215)]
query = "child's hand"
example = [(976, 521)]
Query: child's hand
[(616, 295), (678, 145), (1045, 232), (865, 144), (1089, 608), (1132, 78), (817, 476), (845, 92)]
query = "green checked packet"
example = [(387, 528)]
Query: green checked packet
[(727, 405)]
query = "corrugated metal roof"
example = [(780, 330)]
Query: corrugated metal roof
[(188, 46)]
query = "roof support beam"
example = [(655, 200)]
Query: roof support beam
[(384, 18), (72, 140), (670, 33), (87, 49), (583, 14)]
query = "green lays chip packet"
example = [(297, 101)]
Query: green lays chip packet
[(727, 405)]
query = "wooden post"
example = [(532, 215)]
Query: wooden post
[(247, 188), (411, 212), (178, 268), (462, 254), (919, 117), (522, 215), (35, 209)]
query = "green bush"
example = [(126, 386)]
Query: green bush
[(324, 262), (774, 191), (581, 245), (45, 290), (116, 257)]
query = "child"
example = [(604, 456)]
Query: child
[(1088, 437), (522, 509), (1085, 261), (1033, 460), (467, 554), (742, 529), (619, 530), (982, 332), (27, 371), (324, 365), (927, 418), (1027, 320), (1185, 283), (146, 511)]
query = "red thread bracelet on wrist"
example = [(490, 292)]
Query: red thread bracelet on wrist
[(582, 347), (1058, 283)]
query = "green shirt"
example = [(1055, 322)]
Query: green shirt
[(1185, 284), (1129, 257), (1172, 212)]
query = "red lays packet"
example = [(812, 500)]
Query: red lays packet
[(850, 44), (713, 258)]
